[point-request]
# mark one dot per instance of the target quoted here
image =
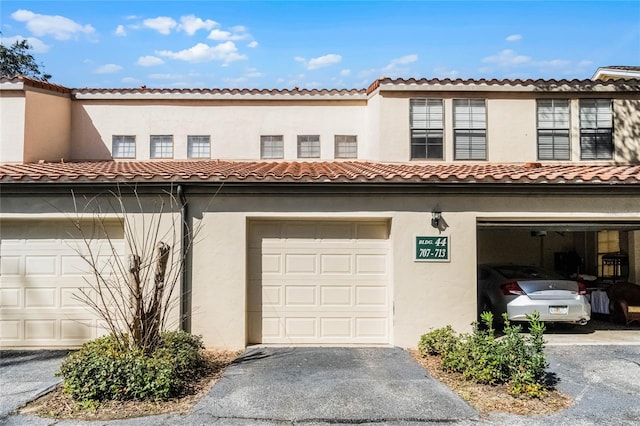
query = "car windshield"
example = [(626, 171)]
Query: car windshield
[(526, 272)]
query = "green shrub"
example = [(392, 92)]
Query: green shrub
[(514, 358), (103, 370), (438, 341)]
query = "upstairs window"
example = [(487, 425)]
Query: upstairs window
[(426, 128), (470, 129), (596, 129), (346, 146), (123, 146), (271, 146), (553, 129), (308, 146), (161, 146), (198, 146)]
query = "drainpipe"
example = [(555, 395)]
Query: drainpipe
[(185, 288)]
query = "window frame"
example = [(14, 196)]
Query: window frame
[(263, 140), (430, 132), (469, 131), (556, 132), (597, 132), (190, 142), (301, 140), (344, 139), (151, 146), (113, 146)]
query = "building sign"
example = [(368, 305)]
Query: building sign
[(432, 249)]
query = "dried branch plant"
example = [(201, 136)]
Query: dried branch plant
[(132, 295)]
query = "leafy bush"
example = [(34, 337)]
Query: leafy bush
[(481, 357), (438, 341), (104, 370)]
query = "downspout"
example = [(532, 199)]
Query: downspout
[(185, 287)]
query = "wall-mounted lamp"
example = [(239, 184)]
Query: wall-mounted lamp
[(436, 217), (438, 222)]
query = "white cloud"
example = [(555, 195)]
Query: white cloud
[(190, 24), (320, 61), (507, 58), (59, 27), (442, 72), (149, 61), (120, 31), (201, 52), (162, 24), (108, 69), (253, 73), (394, 65), (130, 80), (219, 35), (166, 76), (37, 45), (253, 44), (345, 73), (514, 37)]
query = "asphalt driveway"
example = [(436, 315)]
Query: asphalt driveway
[(273, 386), (337, 385)]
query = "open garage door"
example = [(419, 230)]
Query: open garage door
[(608, 252)]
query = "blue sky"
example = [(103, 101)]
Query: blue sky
[(319, 44)]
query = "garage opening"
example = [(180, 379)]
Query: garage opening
[(319, 282), (40, 272), (604, 255)]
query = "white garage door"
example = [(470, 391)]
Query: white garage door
[(319, 283), (40, 271)]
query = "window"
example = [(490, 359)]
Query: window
[(123, 146), (308, 146), (162, 146), (553, 129), (271, 147), (198, 146), (346, 146), (596, 129), (608, 243), (426, 128), (469, 129)]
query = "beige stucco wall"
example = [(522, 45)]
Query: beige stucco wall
[(12, 124), (235, 127), (511, 126), (627, 130), (47, 134), (425, 295)]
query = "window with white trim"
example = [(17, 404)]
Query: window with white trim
[(346, 146), (308, 146), (123, 146), (426, 122), (271, 146), (161, 146), (596, 129), (469, 129), (198, 146), (553, 129)]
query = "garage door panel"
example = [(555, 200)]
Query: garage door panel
[(300, 263), (336, 296), (41, 272), (320, 283)]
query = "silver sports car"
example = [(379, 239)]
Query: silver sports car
[(520, 290)]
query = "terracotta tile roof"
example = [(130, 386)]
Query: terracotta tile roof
[(39, 84), (217, 91), (538, 84), (316, 172)]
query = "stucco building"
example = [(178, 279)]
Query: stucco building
[(312, 205)]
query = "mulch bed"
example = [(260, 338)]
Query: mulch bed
[(59, 405), (493, 398)]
